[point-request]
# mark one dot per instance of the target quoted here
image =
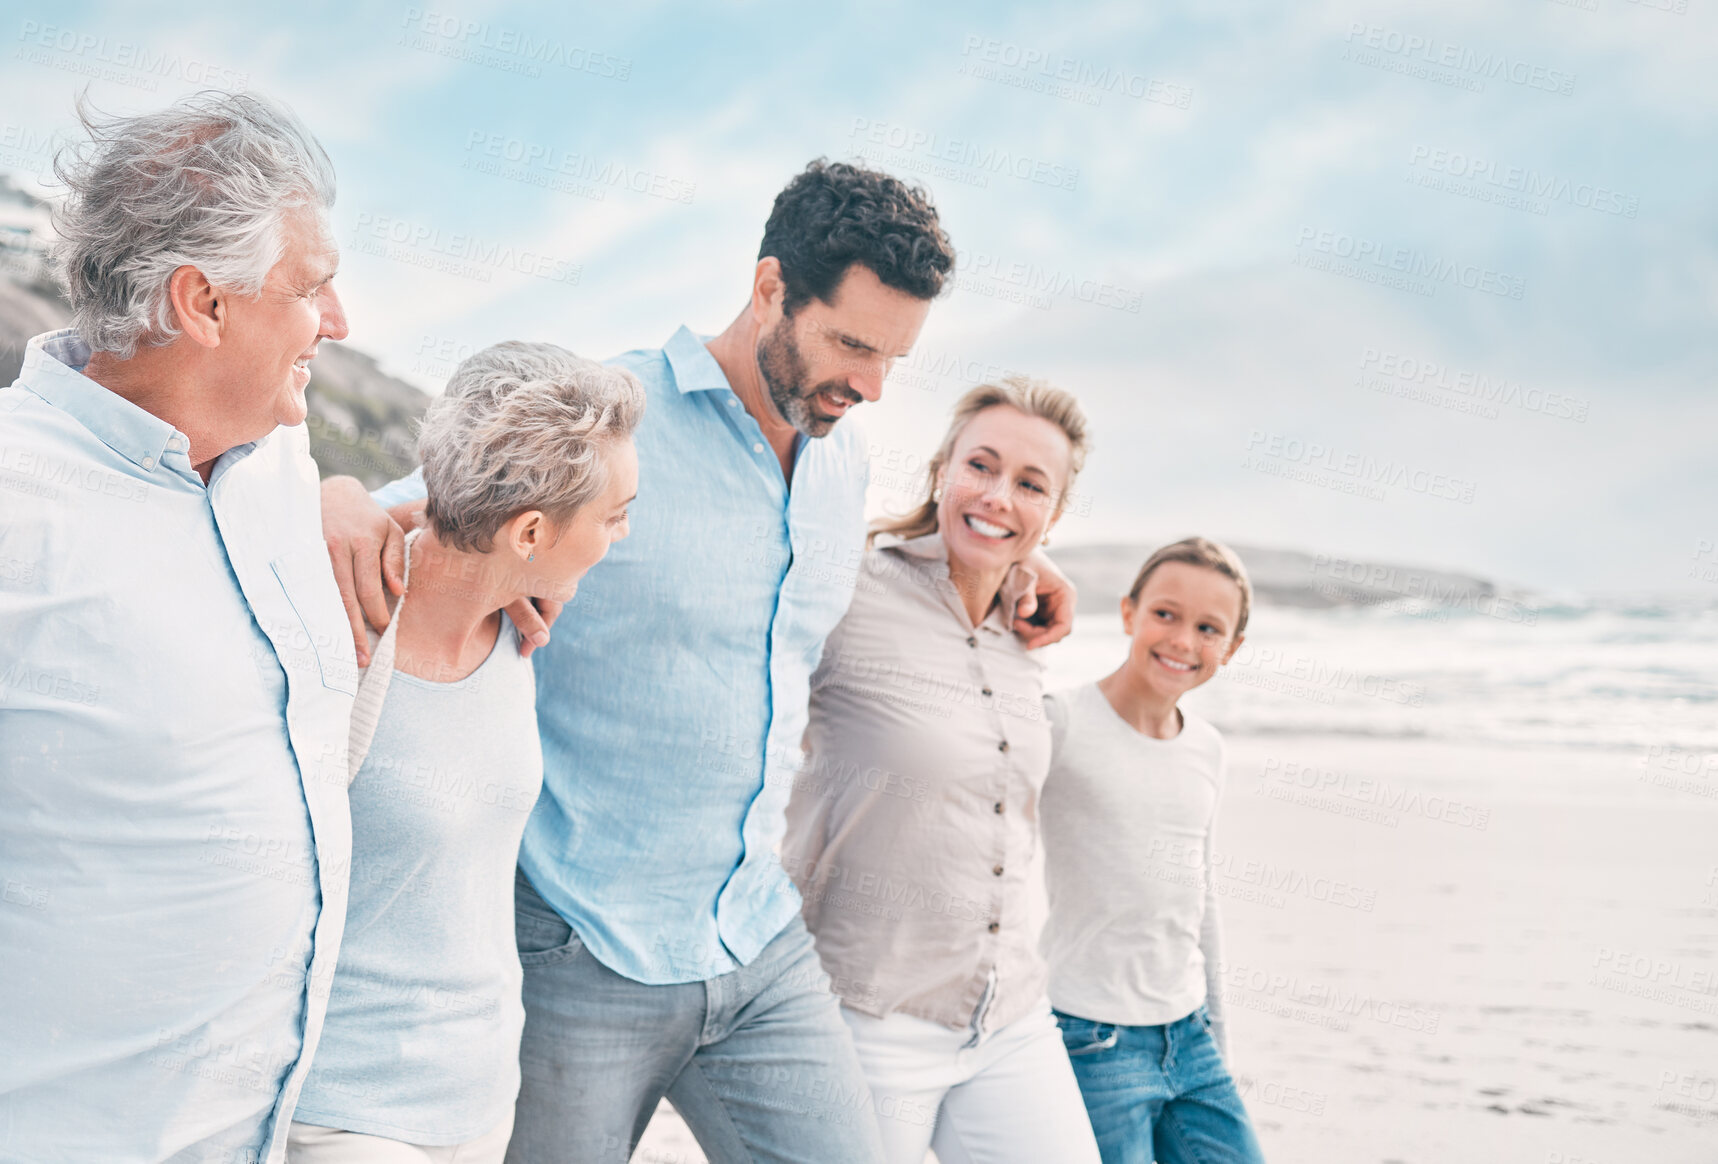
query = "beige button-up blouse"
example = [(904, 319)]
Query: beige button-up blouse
[(913, 825)]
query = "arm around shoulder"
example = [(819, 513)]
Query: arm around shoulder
[(1045, 615), (367, 549)]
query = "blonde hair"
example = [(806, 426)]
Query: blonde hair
[(1208, 554), (1033, 398)]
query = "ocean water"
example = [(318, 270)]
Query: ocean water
[(1619, 676)]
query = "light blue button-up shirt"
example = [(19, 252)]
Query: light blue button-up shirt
[(672, 696), (175, 679)]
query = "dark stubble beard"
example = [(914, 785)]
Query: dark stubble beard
[(784, 376)]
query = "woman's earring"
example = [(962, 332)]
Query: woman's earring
[(532, 556), (936, 494)]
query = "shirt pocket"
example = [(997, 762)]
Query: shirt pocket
[(308, 581)]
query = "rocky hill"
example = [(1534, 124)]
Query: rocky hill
[(360, 417)]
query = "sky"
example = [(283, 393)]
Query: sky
[(1425, 282)]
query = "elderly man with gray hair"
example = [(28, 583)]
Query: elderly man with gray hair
[(178, 676)]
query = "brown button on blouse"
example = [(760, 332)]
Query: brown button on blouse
[(913, 875)]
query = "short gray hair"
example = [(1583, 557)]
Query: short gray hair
[(205, 182), (521, 426)]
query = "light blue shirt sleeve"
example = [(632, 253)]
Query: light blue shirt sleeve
[(671, 698), (407, 488), (672, 695)]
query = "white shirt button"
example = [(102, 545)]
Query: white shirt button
[(757, 448), (175, 444), (733, 403), (148, 462)]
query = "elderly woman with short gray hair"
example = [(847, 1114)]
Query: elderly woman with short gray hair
[(529, 466)]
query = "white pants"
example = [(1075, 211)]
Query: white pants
[(1009, 1099), (309, 1144)]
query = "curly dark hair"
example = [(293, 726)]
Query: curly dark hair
[(834, 214)]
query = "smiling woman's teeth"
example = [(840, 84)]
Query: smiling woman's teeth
[(1172, 664), (979, 525)]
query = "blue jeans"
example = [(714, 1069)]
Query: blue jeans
[(758, 1062), (1159, 1093)]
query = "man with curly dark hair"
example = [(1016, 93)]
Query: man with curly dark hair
[(835, 221), (664, 953)]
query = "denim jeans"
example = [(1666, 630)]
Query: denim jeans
[(758, 1062), (1159, 1093)]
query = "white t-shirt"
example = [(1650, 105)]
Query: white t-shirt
[(425, 1015), (1132, 935)]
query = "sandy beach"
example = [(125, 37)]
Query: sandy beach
[(1449, 939), (1536, 990), (1403, 988)]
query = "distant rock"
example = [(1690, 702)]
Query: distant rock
[(362, 420), (25, 311), (1103, 574)]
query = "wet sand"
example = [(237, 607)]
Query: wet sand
[(1542, 989)]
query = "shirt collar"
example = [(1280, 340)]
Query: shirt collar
[(1020, 581), (927, 546), (695, 369), (53, 369)]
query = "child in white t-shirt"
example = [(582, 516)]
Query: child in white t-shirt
[(1128, 812)]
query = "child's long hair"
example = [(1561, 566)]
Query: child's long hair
[(1201, 552), (1032, 397)]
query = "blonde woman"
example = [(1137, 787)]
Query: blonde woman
[(529, 465), (912, 830)]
